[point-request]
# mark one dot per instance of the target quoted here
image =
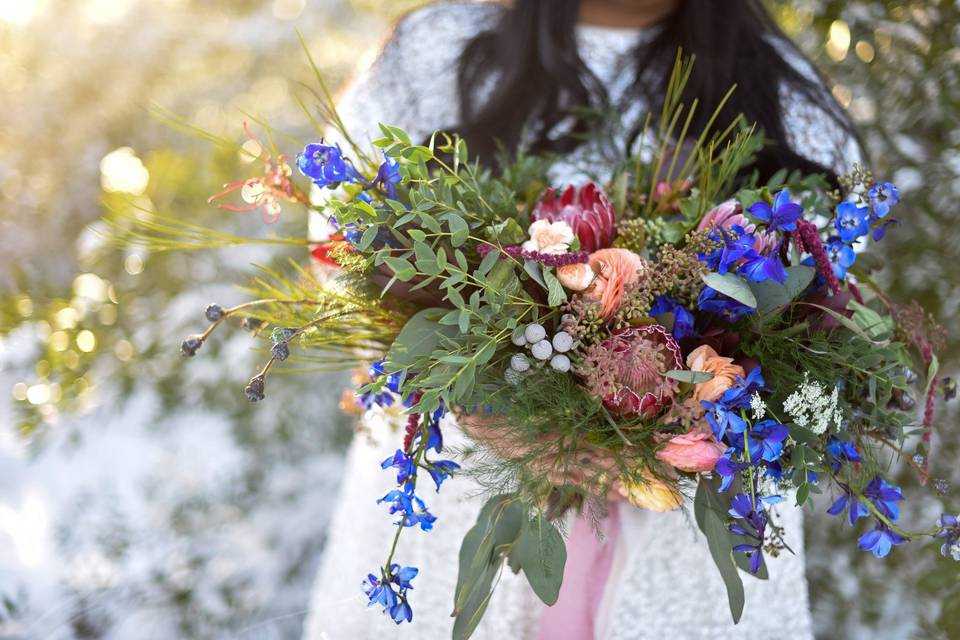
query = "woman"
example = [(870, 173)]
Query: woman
[(520, 75)]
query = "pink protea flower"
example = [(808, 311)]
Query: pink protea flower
[(626, 370), (729, 213), (587, 211)]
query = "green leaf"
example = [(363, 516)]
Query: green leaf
[(770, 294), (459, 229), (710, 514), (533, 269), (542, 555), (872, 323), (731, 285), (692, 377), (418, 339), (369, 235), (555, 293), (847, 323), (488, 262), (463, 321), (416, 234), (401, 268), (508, 232)]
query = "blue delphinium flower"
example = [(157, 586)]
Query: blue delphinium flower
[(783, 215), (880, 540), (883, 195), (393, 600), (950, 533), (405, 465), (388, 174), (842, 256), (379, 592), (712, 301), (735, 243), (765, 440), (852, 221), (326, 166), (758, 268), (840, 451), (440, 470), (683, 321), (884, 497), (414, 511), (742, 509), (848, 502)]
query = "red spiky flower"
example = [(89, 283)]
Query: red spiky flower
[(588, 212)]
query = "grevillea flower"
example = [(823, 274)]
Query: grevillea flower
[(626, 370), (615, 270), (694, 452), (587, 211)]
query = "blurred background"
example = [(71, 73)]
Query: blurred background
[(142, 498)]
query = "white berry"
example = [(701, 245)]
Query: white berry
[(560, 363), (519, 363), (511, 376), (518, 339), (534, 333), (542, 350), (562, 341)]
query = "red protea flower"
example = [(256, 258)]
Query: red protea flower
[(626, 370), (587, 211)]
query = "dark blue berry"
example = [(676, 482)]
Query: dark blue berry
[(214, 312), (282, 334), (190, 346), (280, 351), (254, 389), (251, 324)]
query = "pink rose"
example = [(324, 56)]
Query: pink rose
[(694, 452)]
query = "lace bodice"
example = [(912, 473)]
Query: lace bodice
[(665, 584)]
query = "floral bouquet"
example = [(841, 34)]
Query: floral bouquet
[(678, 332)]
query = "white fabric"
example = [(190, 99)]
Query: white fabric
[(664, 584)]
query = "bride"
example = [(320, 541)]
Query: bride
[(522, 72)]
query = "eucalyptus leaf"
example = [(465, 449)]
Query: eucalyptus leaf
[(459, 229), (401, 268), (731, 285), (542, 555), (770, 294), (418, 339), (555, 293), (691, 377), (710, 514)]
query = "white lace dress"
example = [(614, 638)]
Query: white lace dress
[(663, 583)]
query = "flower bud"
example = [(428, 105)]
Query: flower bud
[(213, 312)]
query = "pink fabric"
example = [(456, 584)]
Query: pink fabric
[(584, 579)]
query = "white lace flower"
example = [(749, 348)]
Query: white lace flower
[(758, 406), (811, 407)]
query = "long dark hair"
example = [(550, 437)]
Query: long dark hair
[(541, 80)]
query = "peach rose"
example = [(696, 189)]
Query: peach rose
[(651, 494), (725, 373), (549, 237), (694, 452), (576, 277), (615, 270)]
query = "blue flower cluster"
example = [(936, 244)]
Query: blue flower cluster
[(390, 590), (950, 533), (385, 395), (878, 497), (326, 166), (854, 221), (753, 450)]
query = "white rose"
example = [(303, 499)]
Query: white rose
[(549, 237)]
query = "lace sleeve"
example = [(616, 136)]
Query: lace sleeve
[(413, 82), (811, 131)]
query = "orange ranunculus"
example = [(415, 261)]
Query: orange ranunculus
[(694, 452), (615, 270), (576, 277), (725, 373)]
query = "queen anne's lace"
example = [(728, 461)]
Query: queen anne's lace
[(664, 584)]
